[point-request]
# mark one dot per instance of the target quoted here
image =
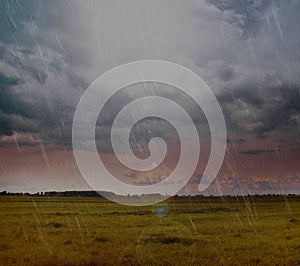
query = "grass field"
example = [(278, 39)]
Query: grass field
[(93, 231)]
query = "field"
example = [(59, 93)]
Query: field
[(93, 231)]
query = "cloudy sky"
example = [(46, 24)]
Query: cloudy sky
[(248, 52)]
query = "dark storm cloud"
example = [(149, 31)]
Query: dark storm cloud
[(39, 88), (247, 14), (247, 51), (247, 93), (146, 129), (7, 82), (282, 111), (270, 108), (5, 126), (6, 106)]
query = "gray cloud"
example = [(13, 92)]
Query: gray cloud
[(248, 14), (275, 107), (247, 51)]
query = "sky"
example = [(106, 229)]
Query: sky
[(248, 52)]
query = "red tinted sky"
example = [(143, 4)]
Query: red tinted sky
[(255, 165)]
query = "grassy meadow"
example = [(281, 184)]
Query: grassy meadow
[(94, 231)]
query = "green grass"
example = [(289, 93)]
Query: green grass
[(93, 231)]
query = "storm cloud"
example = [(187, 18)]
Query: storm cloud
[(247, 51)]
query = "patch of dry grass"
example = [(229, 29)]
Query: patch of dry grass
[(85, 231)]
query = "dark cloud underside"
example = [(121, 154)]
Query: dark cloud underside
[(247, 51)]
